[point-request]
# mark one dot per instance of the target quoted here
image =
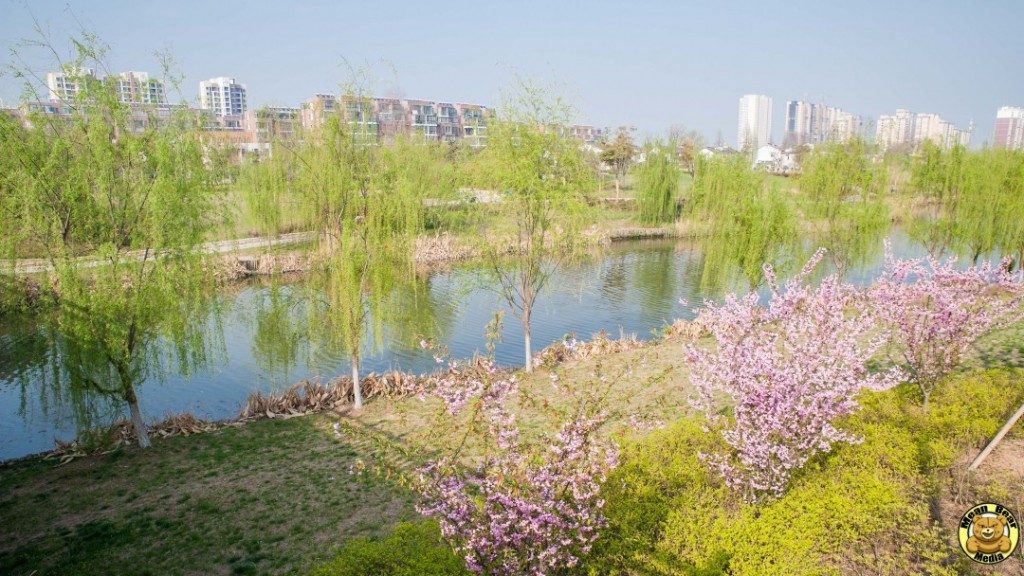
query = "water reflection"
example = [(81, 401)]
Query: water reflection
[(261, 331)]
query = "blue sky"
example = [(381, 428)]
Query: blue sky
[(650, 64)]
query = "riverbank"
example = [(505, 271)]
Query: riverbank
[(283, 495), (272, 496)]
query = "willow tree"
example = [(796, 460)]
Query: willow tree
[(746, 222), (544, 178), (118, 201), (842, 194), (973, 198), (364, 201), (657, 187)]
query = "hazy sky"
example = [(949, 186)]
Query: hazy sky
[(650, 64)]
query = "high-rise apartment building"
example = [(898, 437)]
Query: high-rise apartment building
[(1009, 132), (755, 121), (908, 129), (223, 96), (808, 123), (66, 85), (800, 117), (139, 88), (895, 130)]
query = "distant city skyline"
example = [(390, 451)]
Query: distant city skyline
[(651, 66)]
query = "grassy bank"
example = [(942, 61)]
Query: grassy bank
[(267, 497), (288, 495)]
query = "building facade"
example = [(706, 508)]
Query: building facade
[(224, 96), (1009, 132), (808, 123), (755, 122), (139, 88), (67, 85), (909, 130)]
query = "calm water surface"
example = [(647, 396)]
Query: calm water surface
[(632, 288)]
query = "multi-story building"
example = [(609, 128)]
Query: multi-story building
[(68, 84), (800, 123), (907, 129), (422, 118), (271, 123), (755, 121), (1009, 133), (941, 132), (139, 88), (224, 96), (449, 128), (391, 118), (378, 120), (808, 123), (317, 109), (473, 120), (587, 134), (895, 130)]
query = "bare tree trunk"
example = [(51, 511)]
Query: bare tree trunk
[(997, 439), (527, 343), (357, 387), (616, 186), (138, 425)]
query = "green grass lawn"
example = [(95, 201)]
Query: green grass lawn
[(268, 497)]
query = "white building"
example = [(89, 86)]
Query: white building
[(895, 130), (774, 160), (941, 132), (755, 122), (909, 129), (139, 88), (808, 123), (224, 96), (1009, 133), (66, 85)]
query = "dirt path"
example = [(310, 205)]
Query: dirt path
[(37, 265)]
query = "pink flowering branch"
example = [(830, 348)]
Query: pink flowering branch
[(934, 313), (518, 512), (789, 370)]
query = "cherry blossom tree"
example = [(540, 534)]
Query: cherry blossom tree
[(788, 370), (520, 510), (934, 312)]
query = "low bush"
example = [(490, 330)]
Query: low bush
[(413, 549), (864, 508)]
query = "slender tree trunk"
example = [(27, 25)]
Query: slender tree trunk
[(997, 439), (357, 387), (138, 425), (527, 343), (616, 186)]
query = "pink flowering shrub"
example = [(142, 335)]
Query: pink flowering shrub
[(934, 313), (788, 370), (520, 511)]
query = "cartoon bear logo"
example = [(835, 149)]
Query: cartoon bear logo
[(989, 533)]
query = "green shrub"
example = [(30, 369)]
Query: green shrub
[(413, 549), (862, 509)]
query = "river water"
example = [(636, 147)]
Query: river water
[(632, 288)]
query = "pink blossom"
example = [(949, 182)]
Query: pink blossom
[(934, 313), (788, 370)]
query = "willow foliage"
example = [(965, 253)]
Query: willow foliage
[(543, 177), (365, 202), (657, 187), (119, 202), (974, 200), (843, 198), (748, 222)]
